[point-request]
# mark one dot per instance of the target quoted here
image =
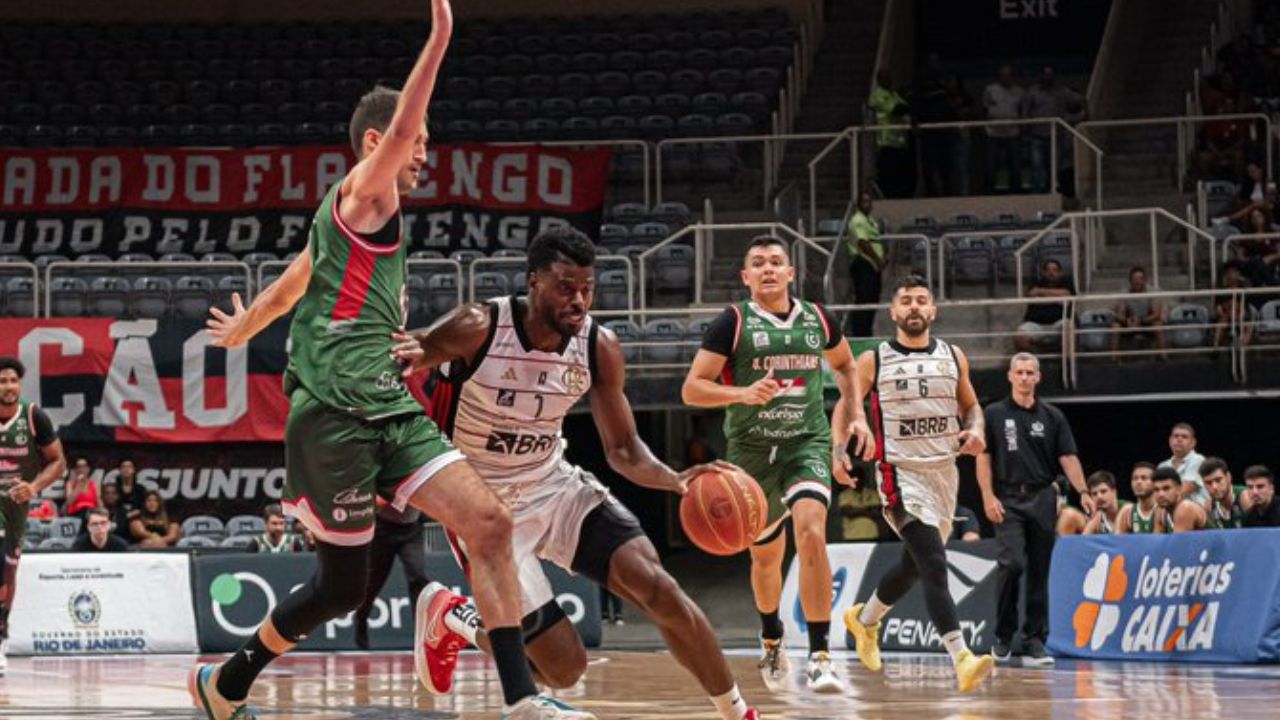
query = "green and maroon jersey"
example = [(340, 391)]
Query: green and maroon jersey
[(340, 339)]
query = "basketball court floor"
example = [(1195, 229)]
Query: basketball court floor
[(644, 686)]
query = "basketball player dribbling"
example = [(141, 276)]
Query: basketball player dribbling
[(925, 413), (31, 459), (762, 361), (354, 431), (510, 371)]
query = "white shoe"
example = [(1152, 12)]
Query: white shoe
[(202, 685), (774, 665), (4, 661), (821, 676), (542, 707)]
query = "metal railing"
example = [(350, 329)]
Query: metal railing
[(1092, 216), (1233, 238), (947, 241)]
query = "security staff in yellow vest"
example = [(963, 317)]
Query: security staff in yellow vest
[(866, 265), (895, 163)]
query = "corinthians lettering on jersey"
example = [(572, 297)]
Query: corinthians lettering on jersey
[(786, 362)]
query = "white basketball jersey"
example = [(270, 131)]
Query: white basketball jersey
[(914, 404), (509, 414)]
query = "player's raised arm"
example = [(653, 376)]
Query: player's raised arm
[(369, 192), (627, 454), (275, 300), (459, 335)]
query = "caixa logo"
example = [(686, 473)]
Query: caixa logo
[(1162, 608)]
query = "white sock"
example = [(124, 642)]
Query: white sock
[(873, 611), (465, 620), (730, 705), (955, 644)]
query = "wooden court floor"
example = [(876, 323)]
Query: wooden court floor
[(643, 686)]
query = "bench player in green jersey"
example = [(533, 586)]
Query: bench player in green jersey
[(1228, 503), (354, 431), (1139, 517), (762, 360), (30, 460)]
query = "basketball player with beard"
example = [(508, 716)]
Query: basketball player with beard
[(510, 370), (924, 412)]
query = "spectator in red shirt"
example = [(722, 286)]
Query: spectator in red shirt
[(82, 491)]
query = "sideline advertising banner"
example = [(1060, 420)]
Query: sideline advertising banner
[(234, 593), (103, 603), (70, 201), (1209, 596), (856, 569)]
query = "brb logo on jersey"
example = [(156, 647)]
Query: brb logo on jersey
[(1163, 608), (519, 443)]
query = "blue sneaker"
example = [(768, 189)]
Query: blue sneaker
[(202, 684), (541, 707)]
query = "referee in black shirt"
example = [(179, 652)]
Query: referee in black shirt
[(1028, 442)]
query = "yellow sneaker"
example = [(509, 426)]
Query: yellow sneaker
[(865, 637), (972, 670)]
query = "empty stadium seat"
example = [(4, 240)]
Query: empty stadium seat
[(490, 285), (670, 333), (442, 294), (68, 297), (1269, 320), (66, 528), (611, 290), (197, 541), (238, 542), (150, 297), (192, 296), (55, 543), (1188, 325), (972, 259), (673, 268), (628, 333), (204, 525), (19, 297), (1095, 330)]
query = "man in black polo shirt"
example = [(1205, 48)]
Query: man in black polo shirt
[(1264, 507), (1028, 444)]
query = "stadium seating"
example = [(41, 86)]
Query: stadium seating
[(202, 525), (245, 525), (1095, 330)]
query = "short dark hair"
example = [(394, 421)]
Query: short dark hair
[(1050, 261), (272, 510), (9, 362), (1212, 465), (1260, 471), (1143, 465), (100, 512), (1101, 477), (373, 112), (909, 281), (561, 243), (766, 241), (1165, 472), (1184, 426), (1137, 269)]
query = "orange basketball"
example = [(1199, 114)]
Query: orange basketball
[(723, 512)]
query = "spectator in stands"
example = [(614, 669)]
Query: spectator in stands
[(1049, 99), (116, 510), (965, 526), (1231, 308), (963, 109), (1003, 101), (1174, 512), (1259, 256), (1224, 141), (81, 491), (1264, 506), (1042, 325), (1139, 517), (151, 526), (277, 538), (1225, 508), (866, 265), (895, 163), (1252, 194), (132, 493), (1186, 462), (1138, 316), (99, 538), (1106, 504)]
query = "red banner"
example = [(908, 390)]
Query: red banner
[(199, 200), (143, 381)]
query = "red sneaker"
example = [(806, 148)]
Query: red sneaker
[(752, 714), (435, 646)]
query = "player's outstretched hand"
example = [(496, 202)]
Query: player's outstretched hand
[(972, 443), (409, 353), (761, 391), (225, 328)]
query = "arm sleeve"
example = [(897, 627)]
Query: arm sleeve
[(834, 336), (44, 432), (1066, 440), (720, 333)]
